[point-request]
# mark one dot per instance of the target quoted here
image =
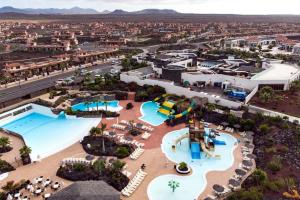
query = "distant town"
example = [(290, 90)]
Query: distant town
[(152, 104)]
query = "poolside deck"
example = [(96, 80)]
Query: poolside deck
[(155, 161)]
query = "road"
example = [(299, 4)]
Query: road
[(45, 83)]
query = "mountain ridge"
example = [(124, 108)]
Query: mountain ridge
[(83, 11)]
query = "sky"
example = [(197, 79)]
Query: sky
[(185, 6)]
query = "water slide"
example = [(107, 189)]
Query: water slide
[(160, 97), (218, 142), (187, 111), (175, 142), (195, 150), (208, 153)]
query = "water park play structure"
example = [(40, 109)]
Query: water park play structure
[(200, 139), (168, 105)]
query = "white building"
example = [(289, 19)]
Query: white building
[(296, 49)]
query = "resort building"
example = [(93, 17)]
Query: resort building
[(229, 82), (296, 49)]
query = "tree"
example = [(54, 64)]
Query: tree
[(266, 94), (173, 185), (25, 151), (4, 142), (259, 176), (95, 131), (117, 165), (126, 64), (87, 105), (102, 129), (99, 166)]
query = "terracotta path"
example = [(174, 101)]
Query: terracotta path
[(156, 162)]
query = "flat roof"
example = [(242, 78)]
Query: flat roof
[(277, 72)]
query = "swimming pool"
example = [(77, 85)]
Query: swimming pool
[(150, 115), (111, 106), (45, 132), (193, 185)]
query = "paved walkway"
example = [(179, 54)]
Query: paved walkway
[(156, 162), (272, 113)]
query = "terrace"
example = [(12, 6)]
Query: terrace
[(156, 166)]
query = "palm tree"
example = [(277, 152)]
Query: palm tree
[(102, 129), (87, 104), (106, 104), (95, 131), (4, 142), (173, 185), (25, 151)]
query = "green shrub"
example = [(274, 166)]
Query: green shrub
[(117, 165), (182, 166), (264, 128), (252, 194), (122, 152), (285, 126), (289, 182), (259, 176), (99, 166), (275, 164), (248, 124), (79, 167), (270, 185), (284, 149), (271, 150), (129, 106)]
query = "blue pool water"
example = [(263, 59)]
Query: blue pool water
[(193, 185), (111, 106), (150, 115), (47, 134)]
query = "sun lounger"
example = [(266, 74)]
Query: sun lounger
[(134, 183), (137, 153), (212, 196), (146, 136)]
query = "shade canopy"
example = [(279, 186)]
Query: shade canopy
[(225, 123), (251, 156), (240, 172), (87, 190), (250, 146), (247, 163), (234, 182), (218, 188), (237, 126)]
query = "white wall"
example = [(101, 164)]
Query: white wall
[(235, 81), (249, 97), (173, 89), (13, 118)]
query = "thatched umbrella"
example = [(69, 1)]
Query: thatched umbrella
[(225, 123), (240, 172), (251, 156), (250, 146), (247, 163), (237, 126), (234, 182), (249, 133), (218, 188), (87, 190)]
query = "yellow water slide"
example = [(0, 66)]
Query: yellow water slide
[(176, 141), (208, 153), (164, 111)]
